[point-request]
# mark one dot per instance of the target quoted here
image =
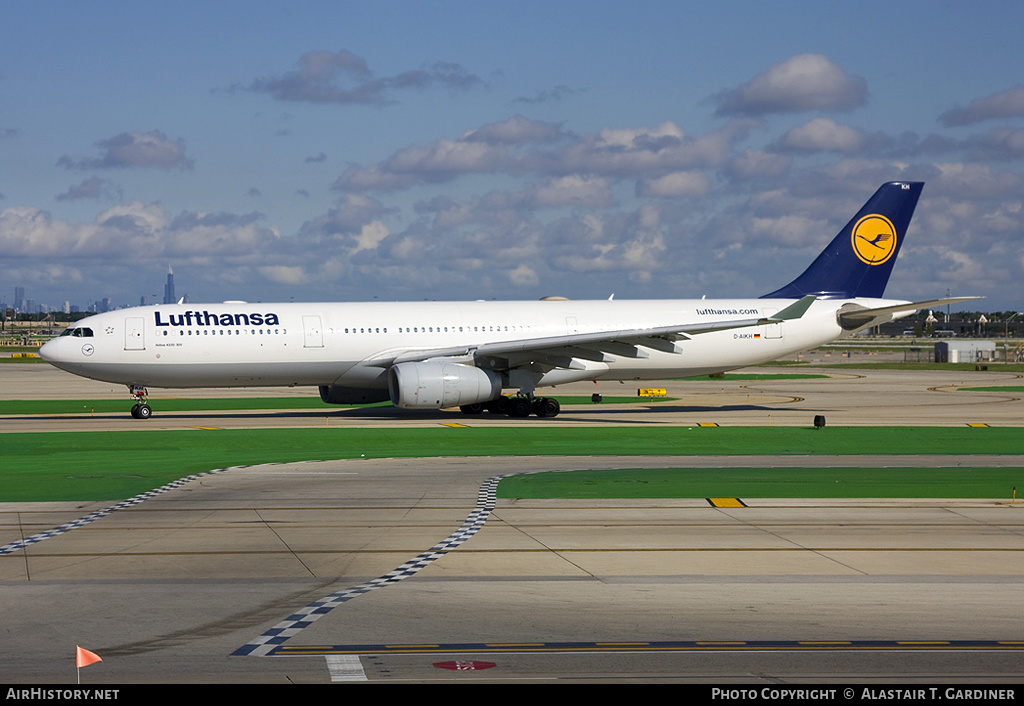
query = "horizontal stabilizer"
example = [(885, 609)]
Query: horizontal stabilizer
[(853, 318)]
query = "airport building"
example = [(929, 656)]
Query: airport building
[(965, 351)]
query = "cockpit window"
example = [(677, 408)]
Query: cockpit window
[(78, 332)]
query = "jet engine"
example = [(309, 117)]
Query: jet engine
[(433, 385)]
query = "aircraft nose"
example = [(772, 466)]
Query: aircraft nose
[(48, 350), (56, 351)]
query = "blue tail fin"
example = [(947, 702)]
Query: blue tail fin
[(858, 261)]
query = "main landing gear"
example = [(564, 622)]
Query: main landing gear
[(516, 406), (141, 410)]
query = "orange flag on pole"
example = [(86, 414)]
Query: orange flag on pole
[(83, 658)]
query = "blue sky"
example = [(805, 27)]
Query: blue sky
[(457, 150)]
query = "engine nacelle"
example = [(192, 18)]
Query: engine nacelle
[(337, 394), (433, 385)]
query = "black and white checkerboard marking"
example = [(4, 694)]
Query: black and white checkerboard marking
[(293, 624), (92, 517)]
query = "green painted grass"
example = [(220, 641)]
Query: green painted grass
[(174, 404), (676, 483), (992, 367), (111, 465), (757, 376), (123, 405), (7, 356), (1004, 388)]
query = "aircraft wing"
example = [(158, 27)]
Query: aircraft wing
[(559, 351), (852, 316)]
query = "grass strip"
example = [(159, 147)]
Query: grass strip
[(213, 404), (1004, 388), (110, 465), (678, 483), (756, 376), (173, 404), (944, 367)]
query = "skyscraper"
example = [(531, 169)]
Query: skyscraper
[(169, 287)]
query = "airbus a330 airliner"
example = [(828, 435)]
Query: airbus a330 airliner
[(432, 355)]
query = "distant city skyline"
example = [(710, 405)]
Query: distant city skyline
[(27, 304)]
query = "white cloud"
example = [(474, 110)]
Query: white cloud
[(1005, 104), (442, 160), (518, 148), (675, 185), (573, 190), (638, 137), (371, 235), (134, 233), (823, 135), (798, 84), (91, 188), (284, 274), (523, 276), (343, 78), (134, 149), (758, 163), (790, 230), (515, 130)]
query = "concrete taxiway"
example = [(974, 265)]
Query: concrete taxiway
[(844, 397), (396, 570)]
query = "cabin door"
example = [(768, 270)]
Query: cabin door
[(772, 330), (313, 333)]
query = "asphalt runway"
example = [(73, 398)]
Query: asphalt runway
[(407, 570)]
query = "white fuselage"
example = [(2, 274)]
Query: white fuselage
[(238, 345)]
